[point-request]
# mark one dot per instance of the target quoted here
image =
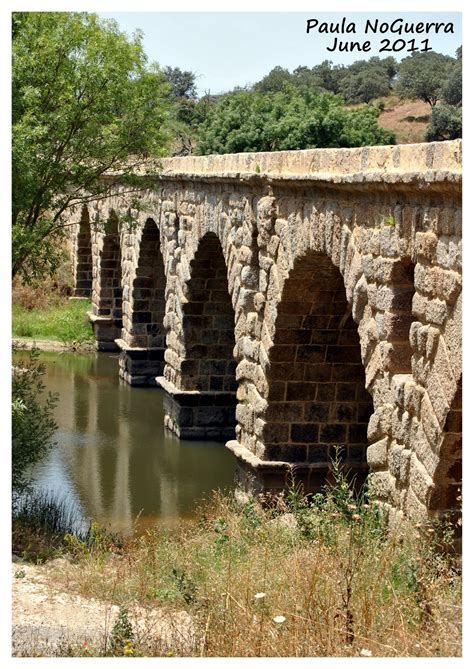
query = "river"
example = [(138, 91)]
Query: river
[(113, 460)]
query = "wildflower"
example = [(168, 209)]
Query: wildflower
[(352, 507), (356, 517), (128, 649), (365, 653), (366, 506), (279, 619), (430, 530), (260, 595)]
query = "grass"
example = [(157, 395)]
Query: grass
[(408, 119), (65, 321), (296, 578), (45, 526)]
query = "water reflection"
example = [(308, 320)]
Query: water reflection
[(113, 458)]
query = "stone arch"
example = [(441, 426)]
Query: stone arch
[(447, 480), (107, 296), (316, 382), (199, 374), (148, 292), (208, 322), (143, 333), (83, 257), (110, 269)]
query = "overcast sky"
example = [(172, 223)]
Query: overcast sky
[(232, 49)]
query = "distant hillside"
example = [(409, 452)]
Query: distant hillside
[(407, 119)]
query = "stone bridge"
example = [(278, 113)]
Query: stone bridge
[(293, 303)]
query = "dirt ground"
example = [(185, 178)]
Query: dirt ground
[(48, 621), (408, 120)]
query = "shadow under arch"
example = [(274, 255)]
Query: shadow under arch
[(317, 401), (83, 274), (143, 335), (204, 404), (445, 499), (107, 305)]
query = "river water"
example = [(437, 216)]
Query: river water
[(113, 460)]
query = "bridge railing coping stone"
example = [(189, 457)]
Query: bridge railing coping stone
[(445, 156)]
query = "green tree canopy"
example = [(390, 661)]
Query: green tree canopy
[(85, 102), (445, 123), (249, 121), (452, 89), (422, 76), (183, 82)]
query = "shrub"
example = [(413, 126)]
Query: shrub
[(445, 123), (33, 425), (249, 121)]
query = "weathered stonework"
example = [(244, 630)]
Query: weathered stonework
[(309, 299)]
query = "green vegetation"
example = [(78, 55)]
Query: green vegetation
[(423, 76), (446, 119), (292, 577), (32, 423), (250, 121), (308, 107), (361, 81), (445, 123), (65, 321), (85, 102)]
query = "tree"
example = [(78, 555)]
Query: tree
[(365, 85), (274, 81), (452, 90), (85, 102), (423, 75), (32, 423), (183, 82), (445, 123), (289, 119), (183, 118)]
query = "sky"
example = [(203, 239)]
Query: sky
[(233, 49)]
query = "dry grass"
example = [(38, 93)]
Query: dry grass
[(334, 582), (407, 119)]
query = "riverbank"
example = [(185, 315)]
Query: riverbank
[(292, 579), (60, 321), (52, 346)]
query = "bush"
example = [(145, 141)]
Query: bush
[(249, 121), (32, 422), (445, 123)]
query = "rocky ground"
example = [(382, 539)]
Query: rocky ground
[(52, 346), (48, 621)]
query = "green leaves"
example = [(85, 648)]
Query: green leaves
[(33, 425), (423, 75), (85, 101), (290, 119)]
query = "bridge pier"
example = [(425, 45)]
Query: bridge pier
[(106, 330), (254, 476), (197, 414), (139, 366)]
